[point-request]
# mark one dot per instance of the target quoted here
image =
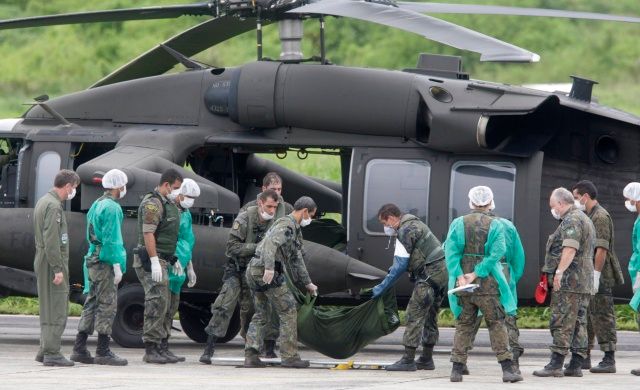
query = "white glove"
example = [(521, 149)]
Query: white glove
[(117, 274), (268, 276), (177, 268), (596, 282), (636, 285), (191, 274), (156, 270), (312, 288)]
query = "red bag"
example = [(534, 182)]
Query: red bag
[(541, 289)]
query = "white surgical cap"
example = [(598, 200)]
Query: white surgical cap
[(115, 178), (190, 188), (481, 196), (632, 191)]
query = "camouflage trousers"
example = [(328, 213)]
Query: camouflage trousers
[(601, 320), (174, 303), (494, 316), (156, 304), (285, 307), (235, 291), (422, 316), (568, 322), (101, 304), (511, 322)]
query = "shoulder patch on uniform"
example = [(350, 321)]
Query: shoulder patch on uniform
[(570, 231), (151, 207), (236, 225), (58, 218)]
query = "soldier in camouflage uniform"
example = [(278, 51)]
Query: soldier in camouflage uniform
[(474, 247), (569, 265), (105, 262), (247, 231), (420, 253), (51, 266), (272, 181), (158, 227), (607, 273), (279, 252)]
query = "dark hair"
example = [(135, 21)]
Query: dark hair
[(268, 194), (305, 202), (65, 177), (271, 178), (388, 210), (170, 176), (586, 187)]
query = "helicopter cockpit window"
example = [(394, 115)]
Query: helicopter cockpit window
[(499, 176), (47, 167), (403, 182)]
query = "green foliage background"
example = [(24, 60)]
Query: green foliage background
[(62, 59)]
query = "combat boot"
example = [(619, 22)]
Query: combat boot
[(554, 368), (80, 353), (607, 365), (575, 366), (635, 371), (406, 363), (104, 356), (39, 357), (270, 349), (56, 361), (456, 372), (208, 349), (295, 362), (508, 372), (465, 369), (164, 351), (251, 359), (425, 361), (152, 354), (516, 361)]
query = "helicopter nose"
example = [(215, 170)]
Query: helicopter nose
[(362, 275)]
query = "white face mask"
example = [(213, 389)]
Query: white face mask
[(187, 203), (389, 231), (579, 205), (174, 194), (555, 214), (267, 217), (305, 222), (123, 192), (72, 194), (630, 207)]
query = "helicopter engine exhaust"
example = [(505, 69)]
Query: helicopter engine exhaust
[(331, 98)]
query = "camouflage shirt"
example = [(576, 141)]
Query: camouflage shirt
[(283, 244), (574, 231), (245, 234), (418, 240), (611, 271)]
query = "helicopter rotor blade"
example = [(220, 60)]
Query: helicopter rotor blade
[(473, 9), (117, 15), (491, 49), (198, 38)]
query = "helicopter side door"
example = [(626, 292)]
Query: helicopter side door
[(47, 158)]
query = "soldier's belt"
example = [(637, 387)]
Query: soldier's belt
[(423, 277), (143, 255)]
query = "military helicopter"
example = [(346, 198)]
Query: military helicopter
[(420, 138)]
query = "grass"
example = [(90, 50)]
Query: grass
[(29, 306)]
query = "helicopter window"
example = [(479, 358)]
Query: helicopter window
[(47, 167), (403, 182), (499, 176)]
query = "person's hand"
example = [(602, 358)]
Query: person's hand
[(636, 285), (462, 281), (191, 275), (268, 276), (312, 288), (556, 280), (57, 278), (177, 268), (117, 274), (596, 282), (156, 270), (470, 277)]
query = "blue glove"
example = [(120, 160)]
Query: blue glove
[(400, 265)]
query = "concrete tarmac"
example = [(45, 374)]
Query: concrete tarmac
[(19, 343)]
